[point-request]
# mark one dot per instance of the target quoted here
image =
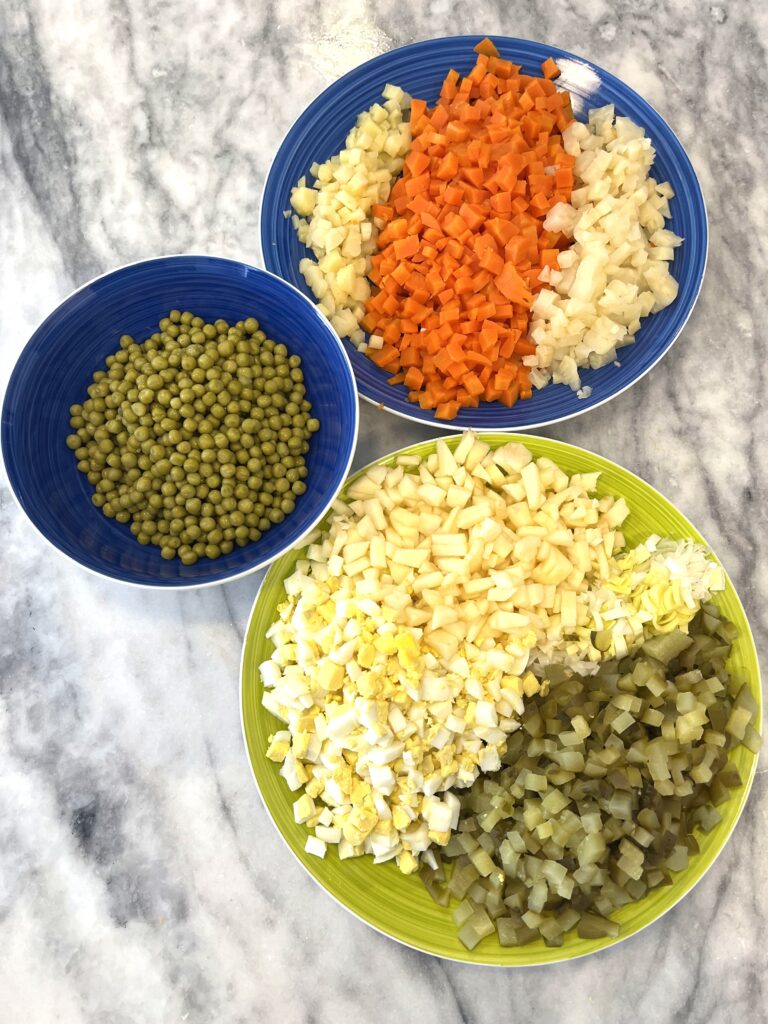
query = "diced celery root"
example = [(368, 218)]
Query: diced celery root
[(617, 270)]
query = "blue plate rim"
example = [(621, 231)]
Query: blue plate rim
[(191, 585), (428, 418)]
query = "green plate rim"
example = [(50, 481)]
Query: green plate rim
[(687, 879)]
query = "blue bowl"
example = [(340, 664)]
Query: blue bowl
[(419, 69), (57, 365)]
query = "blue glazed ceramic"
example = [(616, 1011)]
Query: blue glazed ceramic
[(57, 365), (419, 69)]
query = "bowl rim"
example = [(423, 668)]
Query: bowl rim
[(449, 426), (744, 791), (192, 585)]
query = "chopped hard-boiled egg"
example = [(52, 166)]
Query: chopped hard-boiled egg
[(617, 270), (335, 218)]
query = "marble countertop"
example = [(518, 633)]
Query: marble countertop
[(140, 879)]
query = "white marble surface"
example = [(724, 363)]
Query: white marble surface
[(140, 880)]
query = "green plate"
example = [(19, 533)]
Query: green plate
[(398, 905)]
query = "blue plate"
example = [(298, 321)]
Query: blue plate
[(58, 363), (419, 69)]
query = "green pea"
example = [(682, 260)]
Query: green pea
[(195, 436)]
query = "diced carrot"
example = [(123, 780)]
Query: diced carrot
[(439, 117), (417, 162), (473, 384), (397, 229), (447, 410), (463, 245), (501, 68), (414, 378), (501, 202), (510, 284), (455, 225), (454, 246), (481, 279), (486, 48), (416, 185), (386, 356), (456, 132), (501, 229), (549, 69), (382, 211), (406, 247), (476, 359), (448, 167), (492, 262), (453, 195), (418, 107), (510, 395), (549, 257), (506, 376), (448, 90), (472, 216), (474, 175)]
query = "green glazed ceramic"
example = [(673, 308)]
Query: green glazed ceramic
[(399, 906)]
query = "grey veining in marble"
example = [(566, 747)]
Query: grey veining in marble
[(140, 880)]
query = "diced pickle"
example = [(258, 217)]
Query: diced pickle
[(600, 791), (593, 926), (463, 912), (475, 928)]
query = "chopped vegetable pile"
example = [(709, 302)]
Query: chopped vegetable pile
[(516, 247), (617, 270), (465, 243), (442, 595)]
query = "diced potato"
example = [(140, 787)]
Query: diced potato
[(334, 218)]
